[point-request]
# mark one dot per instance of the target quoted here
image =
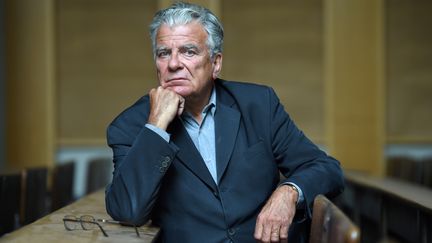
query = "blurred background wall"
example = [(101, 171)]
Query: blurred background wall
[(355, 76), (2, 87)]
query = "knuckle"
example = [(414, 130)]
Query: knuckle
[(275, 220), (260, 217), (160, 89)]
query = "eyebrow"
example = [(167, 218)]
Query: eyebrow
[(189, 46), (186, 46), (162, 48)]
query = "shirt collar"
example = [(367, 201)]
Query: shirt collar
[(211, 106), (212, 103)]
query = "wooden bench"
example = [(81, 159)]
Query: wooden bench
[(330, 224), (392, 207)]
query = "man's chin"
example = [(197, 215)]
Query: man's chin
[(184, 92)]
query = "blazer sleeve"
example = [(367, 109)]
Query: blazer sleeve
[(300, 160), (140, 164)]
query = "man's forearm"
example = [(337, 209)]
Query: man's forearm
[(137, 176)]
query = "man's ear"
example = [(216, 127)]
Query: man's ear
[(217, 65)]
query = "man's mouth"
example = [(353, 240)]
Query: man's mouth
[(175, 82), (176, 79)]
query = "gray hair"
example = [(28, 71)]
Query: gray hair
[(184, 13)]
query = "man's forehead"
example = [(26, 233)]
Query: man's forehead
[(193, 30)]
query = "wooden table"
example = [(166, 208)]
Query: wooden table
[(51, 228)]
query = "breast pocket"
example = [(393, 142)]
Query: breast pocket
[(256, 149), (258, 154)]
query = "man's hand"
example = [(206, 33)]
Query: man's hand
[(165, 104), (276, 216)]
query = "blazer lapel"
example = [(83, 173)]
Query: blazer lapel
[(227, 121), (188, 154)]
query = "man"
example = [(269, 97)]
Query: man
[(201, 156)]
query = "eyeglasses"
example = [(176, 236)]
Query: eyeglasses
[(88, 222)]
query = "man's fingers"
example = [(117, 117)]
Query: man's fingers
[(258, 230), (274, 237), (271, 230), (266, 234), (283, 233)]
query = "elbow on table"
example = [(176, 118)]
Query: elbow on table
[(121, 211)]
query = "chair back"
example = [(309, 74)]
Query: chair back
[(99, 173), (427, 172), (62, 185), (10, 197), (405, 168), (33, 194), (330, 224)]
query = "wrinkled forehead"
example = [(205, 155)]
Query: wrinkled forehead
[(191, 31), (196, 25)]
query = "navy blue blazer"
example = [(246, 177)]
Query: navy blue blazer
[(170, 184)]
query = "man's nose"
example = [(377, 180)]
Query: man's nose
[(174, 62)]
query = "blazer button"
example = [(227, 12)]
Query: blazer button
[(165, 161), (216, 193), (231, 231)]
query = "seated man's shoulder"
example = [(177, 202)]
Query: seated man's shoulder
[(243, 85), (134, 115), (246, 88)]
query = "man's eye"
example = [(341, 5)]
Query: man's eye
[(162, 53), (189, 53)]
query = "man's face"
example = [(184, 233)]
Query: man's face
[(183, 60)]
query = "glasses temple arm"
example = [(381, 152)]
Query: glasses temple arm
[(100, 227), (137, 232)]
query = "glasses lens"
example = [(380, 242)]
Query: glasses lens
[(70, 222), (87, 222)]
